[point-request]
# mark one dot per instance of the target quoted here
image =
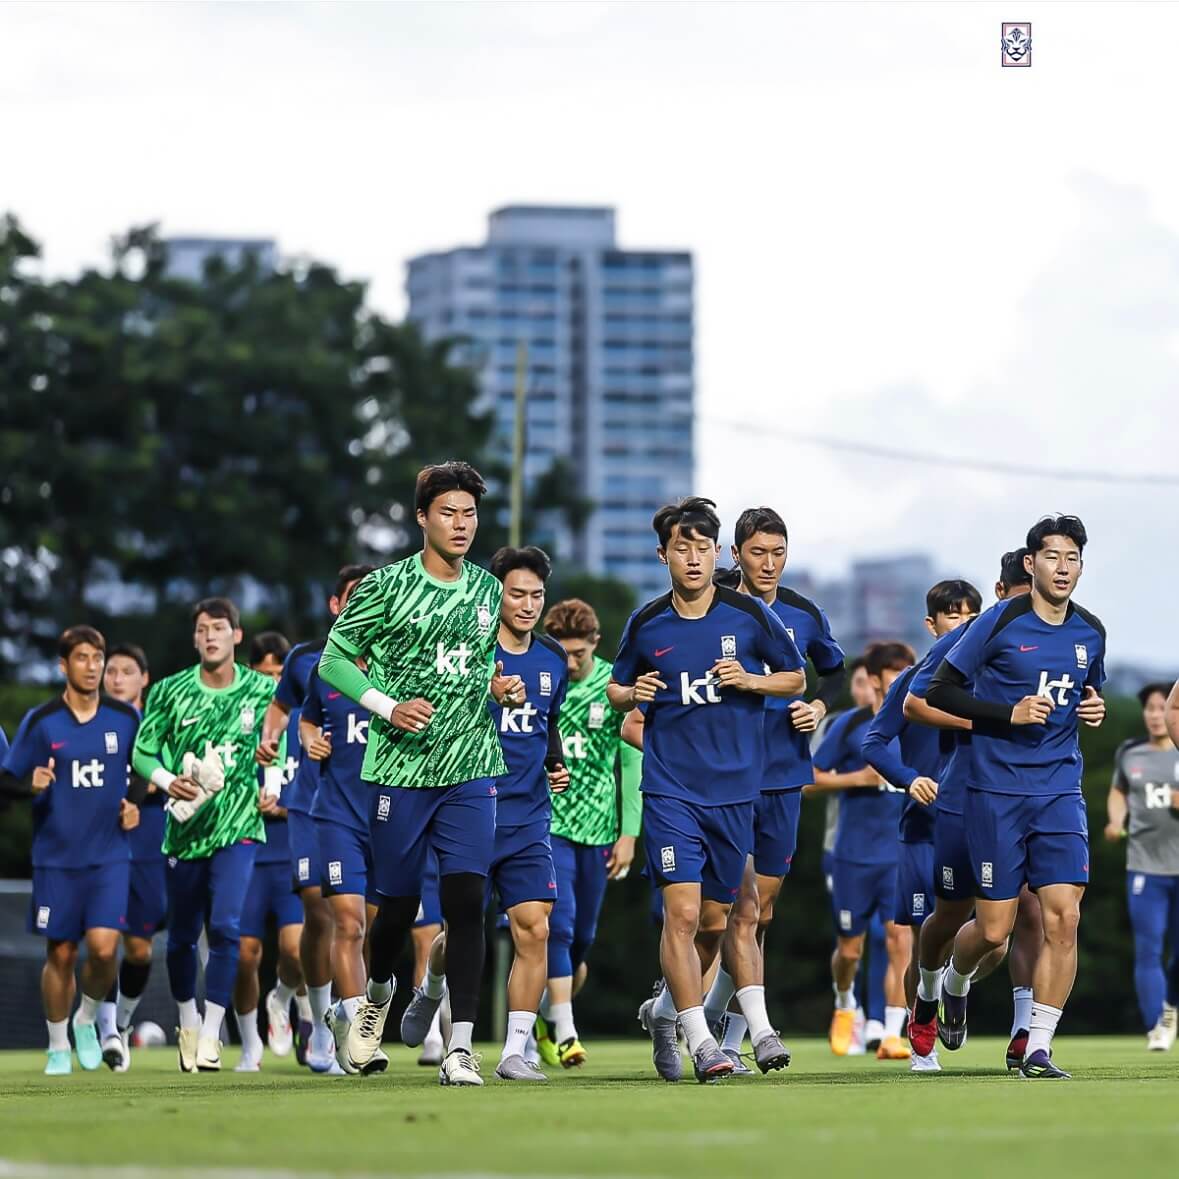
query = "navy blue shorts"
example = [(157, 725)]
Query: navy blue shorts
[(457, 822), (269, 892), (953, 877), (1013, 838), (305, 867), (705, 845), (914, 883), (522, 865), (66, 902), (860, 891), (581, 887), (147, 902), (430, 909), (345, 859), (775, 832)]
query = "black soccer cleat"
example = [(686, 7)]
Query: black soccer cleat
[(1039, 1067), (951, 1020), (1016, 1050)]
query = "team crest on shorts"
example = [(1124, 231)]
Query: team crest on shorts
[(1082, 654), (483, 616), (335, 872), (667, 859), (597, 714), (845, 919), (43, 917), (728, 646), (383, 808), (247, 718), (1016, 43), (304, 868), (919, 904), (1138, 886), (988, 874), (112, 742), (546, 683), (947, 876)]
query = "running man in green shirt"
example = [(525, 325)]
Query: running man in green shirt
[(593, 836), (425, 628), (196, 744)]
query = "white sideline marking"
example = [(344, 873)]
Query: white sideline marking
[(11, 1169)]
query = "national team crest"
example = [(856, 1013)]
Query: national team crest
[(483, 614), (919, 904), (1082, 654), (1017, 43), (728, 646), (112, 742), (247, 718), (597, 714), (546, 683)]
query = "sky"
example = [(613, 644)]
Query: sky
[(898, 242)]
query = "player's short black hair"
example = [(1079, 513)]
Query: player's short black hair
[(218, 608), (1148, 690), (855, 664), (1011, 570), (268, 642), (452, 475), (949, 595), (758, 520), (695, 515), (1069, 526), (729, 578), (883, 657), (529, 557), (133, 652), (75, 636), (572, 619), (349, 575)]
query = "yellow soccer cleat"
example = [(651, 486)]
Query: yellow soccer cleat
[(893, 1048), (570, 1053), (545, 1044), (843, 1030)]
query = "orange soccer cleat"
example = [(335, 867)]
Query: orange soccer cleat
[(843, 1028), (893, 1048)]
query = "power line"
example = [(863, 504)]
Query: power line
[(925, 458)]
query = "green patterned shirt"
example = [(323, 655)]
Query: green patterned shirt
[(182, 715), (433, 640)]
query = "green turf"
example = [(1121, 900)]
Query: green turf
[(1118, 1118)]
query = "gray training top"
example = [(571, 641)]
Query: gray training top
[(1149, 778)]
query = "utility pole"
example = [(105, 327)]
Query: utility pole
[(516, 526)]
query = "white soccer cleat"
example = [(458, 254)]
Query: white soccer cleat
[(186, 1048), (116, 1052), (278, 1034), (925, 1064), (1162, 1035), (364, 1036), (208, 1057), (459, 1067), (247, 1064)]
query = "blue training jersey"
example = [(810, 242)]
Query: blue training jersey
[(702, 743), (341, 795), (868, 817), (76, 820), (301, 660), (1010, 652), (788, 752), (277, 848), (522, 794)]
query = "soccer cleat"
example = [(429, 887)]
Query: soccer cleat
[(516, 1068), (364, 1034), (208, 1057), (116, 1052), (857, 1045), (340, 1027), (770, 1053), (1162, 1035), (893, 1048), (570, 1053), (86, 1044), (710, 1063), (58, 1062), (1039, 1067), (951, 1020), (304, 1033), (186, 1048), (842, 1030), (923, 1027), (247, 1065), (545, 1045), (873, 1035), (419, 1015), (740, 1068), (925, 1064), (279, 1034), (1016, 1049), (665, 1046), (459, 1067)]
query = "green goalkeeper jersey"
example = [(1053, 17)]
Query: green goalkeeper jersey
[(183, 715), (422, 638), (588, 812)]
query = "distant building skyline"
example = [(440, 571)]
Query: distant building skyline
[(187, 256)]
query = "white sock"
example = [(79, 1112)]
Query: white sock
[(380, 992), (545, 1008), (929, 984), (87, 1008), (283, 994), (247, 1025), (349, 1007), (434, 1035), (1021, 998), (519, 1029), (303, 1006), (954, 981), (695, 1027), (1042, 1027), (125, 1010), (59, 1034), (735, 1033), (719, 995), (319, 999), (460, 1035), (190, 1017), (664, 1007), (433, 985), (845, 1000), (214, 1018), (753, 1006), (894, 1020), (106, 1020), (561, 1015)]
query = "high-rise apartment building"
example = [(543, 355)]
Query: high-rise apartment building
[(608, 337)]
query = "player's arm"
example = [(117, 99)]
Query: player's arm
[(631, 767), (785, 675), (28, 764), (554, 758), (629, 684), (949, 693), (337, 667), (828, 659), (917, 709), (1117, 803), (1172, 713), (830, 752), (881, 749), (151, 745), (632, 729)]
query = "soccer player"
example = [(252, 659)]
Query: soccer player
[(196, 743), (270, 893), (759, 553), (1145, 791), (426, 629), (74, 753), (702, 659), (1036, 664), (125, 678), (864, 863), (911, 756), (593, 833)]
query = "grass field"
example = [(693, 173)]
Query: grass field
[(1118, 1118)]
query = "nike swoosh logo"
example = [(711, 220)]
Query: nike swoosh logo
[(333, 695), (661, 651), (55, 745), (1023, 648), (192, 720)]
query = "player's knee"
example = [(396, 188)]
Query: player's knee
[(349, 928), (1061, 922), (850, 949), (249, 953), (224, 933), (62, 955), (103, 953), (531, 934), (682, 919)]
